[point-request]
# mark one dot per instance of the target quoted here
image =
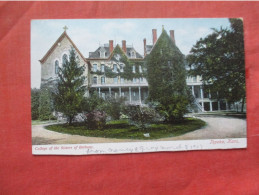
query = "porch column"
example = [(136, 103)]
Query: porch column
[(218, 105), (110, 91), (130, 94), (139, 94), (202, 103), (193, 91), (227, 106), (120, 91), (211, 106), (201, 92), (99, 91)]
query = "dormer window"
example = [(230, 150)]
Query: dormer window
[(102, 54), (133, 54)]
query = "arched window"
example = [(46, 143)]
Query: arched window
[(114, 68), (102, 67), (56, 66), (94, 80), (64, 58), (102, 80)]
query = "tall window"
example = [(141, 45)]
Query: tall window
[(115, 80), (121, 68), (194, 79), (94, 67), (134, 80), (134, 69), (94, 80), (114, 68), (56, 67), (64, 58), (140, 69), (102, 80), (122, 80), (102, 67)]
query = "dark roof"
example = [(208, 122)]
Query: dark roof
[(96, 54), (137, 54)]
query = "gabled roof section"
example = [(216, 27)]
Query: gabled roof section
[(117, 50), (62, 36)]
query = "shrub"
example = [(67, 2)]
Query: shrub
[(96, 119), (113, 107), (45, 105), (140, 116)]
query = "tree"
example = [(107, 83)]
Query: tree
[(45, 104), (166, 77), (219, 60), (35, 103), (70, 89)]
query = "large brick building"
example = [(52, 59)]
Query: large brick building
[(110, 56)]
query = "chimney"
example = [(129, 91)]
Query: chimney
[(111, 45), (124, 46), (172, 35), (154, 36), (145, 45)]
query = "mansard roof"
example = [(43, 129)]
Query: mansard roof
[(62, 36), (106, 49), (96, 53)]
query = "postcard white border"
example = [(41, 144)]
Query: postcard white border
[(139, 147)]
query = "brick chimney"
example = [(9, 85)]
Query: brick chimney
[(172, 35), (111, 45), (124, 46), (154, 33), (145, 47)]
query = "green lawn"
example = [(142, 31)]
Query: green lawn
[(121, 129), (39, 122)]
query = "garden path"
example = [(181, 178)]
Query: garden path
[(217, 128)]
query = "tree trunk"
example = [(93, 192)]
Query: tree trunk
[(70, 120)]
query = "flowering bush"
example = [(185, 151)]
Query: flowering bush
[(96, 119), (140, 116)]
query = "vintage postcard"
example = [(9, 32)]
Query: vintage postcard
[(111, 86)]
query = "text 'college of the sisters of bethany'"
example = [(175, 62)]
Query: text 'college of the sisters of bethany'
[(109, 58)]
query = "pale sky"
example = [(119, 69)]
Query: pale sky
[(88, 34)]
